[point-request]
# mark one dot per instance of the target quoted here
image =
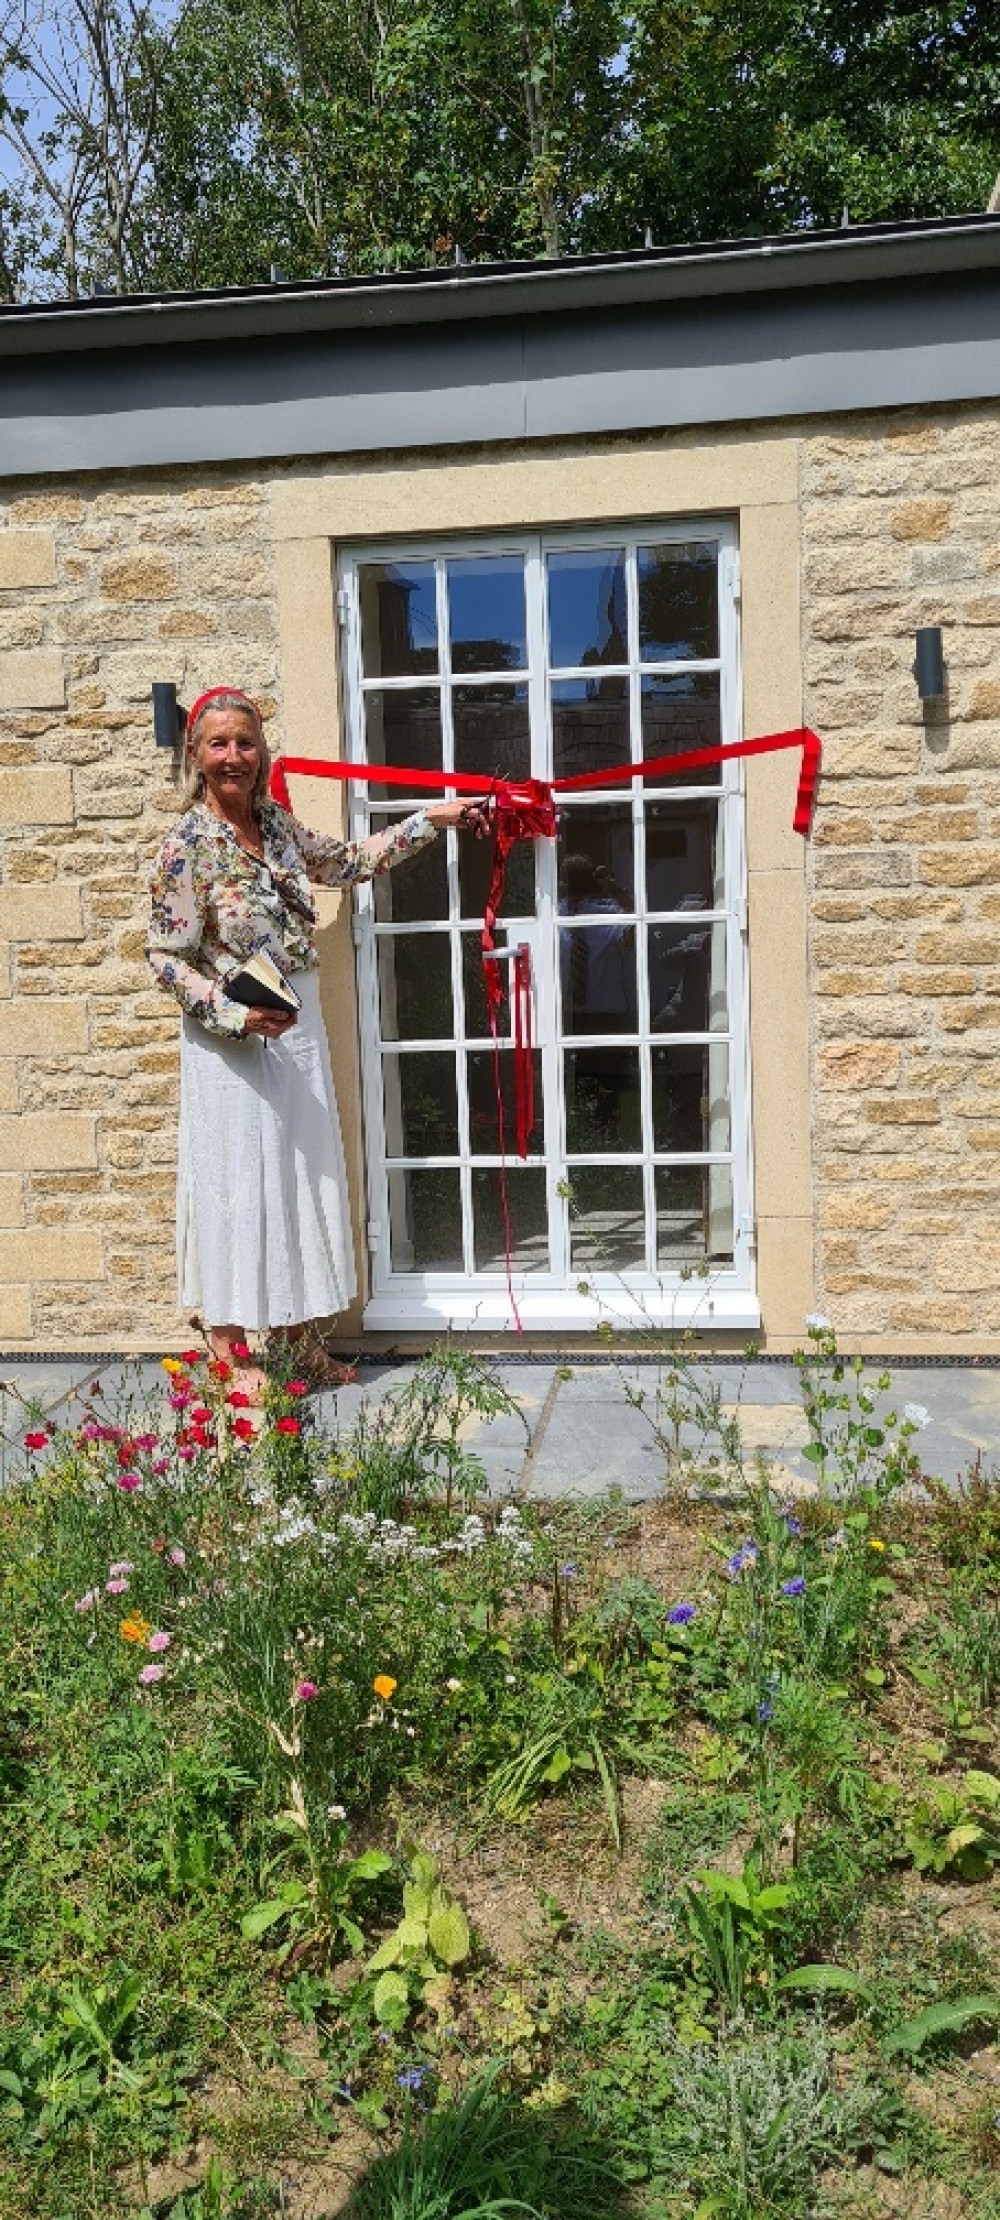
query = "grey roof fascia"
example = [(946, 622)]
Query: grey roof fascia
[(878, 254)]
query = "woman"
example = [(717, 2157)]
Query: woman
[(263, 1226)]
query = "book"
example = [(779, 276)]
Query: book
[(259, 985)]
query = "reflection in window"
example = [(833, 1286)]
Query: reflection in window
[(414, 971), (527, 1205), (687, 978), (596, 965), (398, 619), (421, 1104), (425, 1221), (682, 713), (404, 727), (684, 856), (590, 725), (691, 1098), (492, 732), (694, 1214), (603, 1106), (606, 1219), (483, 1127), (418, 890), (487, 622), (595, 859), (588, 620), (678, 601)]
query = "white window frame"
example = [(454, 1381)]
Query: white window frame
[(717, 1299)]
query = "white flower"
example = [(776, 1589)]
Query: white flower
[(336, 1811), (916, 1415), (816, 1323), (454, 1685)]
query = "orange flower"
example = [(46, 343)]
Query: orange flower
[(135, 1628), (384, 1686)]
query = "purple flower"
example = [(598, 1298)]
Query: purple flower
[(765, 1711), (412, 2077), (567, 1572), (796, 1587), (682, 1614), (747, 1554), (794, 1525)]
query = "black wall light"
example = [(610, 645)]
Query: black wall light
[(169, 719), (928, 668)]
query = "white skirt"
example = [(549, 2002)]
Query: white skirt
[(263, 1223)]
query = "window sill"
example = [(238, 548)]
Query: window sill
[(701, 1308)]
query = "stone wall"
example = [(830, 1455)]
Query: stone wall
[(102, 589), (901, 528)]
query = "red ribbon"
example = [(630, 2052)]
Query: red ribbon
[(525, 810)]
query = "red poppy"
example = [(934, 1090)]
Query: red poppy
[(289, 1426), (36, 1441), (191, 1356), (243, 1429), (200, 1438), (237, 1400), (126, 1451), (200, 1416), (219, 1370), (297, 1387), (239, 1349)]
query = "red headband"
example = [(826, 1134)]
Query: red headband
[(212, 695)]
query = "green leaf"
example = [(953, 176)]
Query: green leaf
[(369, 1866), (984, 1788), (391, 1999), (559, 1763), (262, 1917), (351, 1933), (820, 1979), (944, 2018), (411, 1934), (448, 1931), (10, 2082), (874, 1676)]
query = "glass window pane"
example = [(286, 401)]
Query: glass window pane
[(492, 733), (678, 602), (687, 978), (529, 1229), (475, 865), (683, 856), (694, 1214), (487, 613), (606, 1218), (597, 975), (416, 889), (404, 728), (590, 725), (588, 620), (476, 1020), (421, 1104), (603, 1107), (594, 853), (483, 1130), (414, 972), (425, 1221), (683, 713), (691, 1098), (398, 619)]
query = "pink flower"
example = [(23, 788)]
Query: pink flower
[(180, 1399), (176, 1555), (186, 1453), (146, 1441), (88, 1601), (158, 1640), (149, 1674), (305, 1691), (92, 1432), (116, 1587), (121, 1565), (161, 1466), (36, 1441), (130, 1481)]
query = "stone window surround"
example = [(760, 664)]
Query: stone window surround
[(756, 481)]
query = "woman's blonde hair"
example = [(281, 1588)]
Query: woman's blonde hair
[(192, 780)]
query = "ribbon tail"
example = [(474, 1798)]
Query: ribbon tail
[(524, 1062), (278, 786), (808, 775)]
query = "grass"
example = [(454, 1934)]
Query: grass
[(370, 1847)]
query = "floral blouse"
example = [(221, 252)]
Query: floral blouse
[(213, 904)]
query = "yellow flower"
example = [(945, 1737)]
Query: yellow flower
[(171, 1364), (135, 1628), (384, 1686), (873, 1544)]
